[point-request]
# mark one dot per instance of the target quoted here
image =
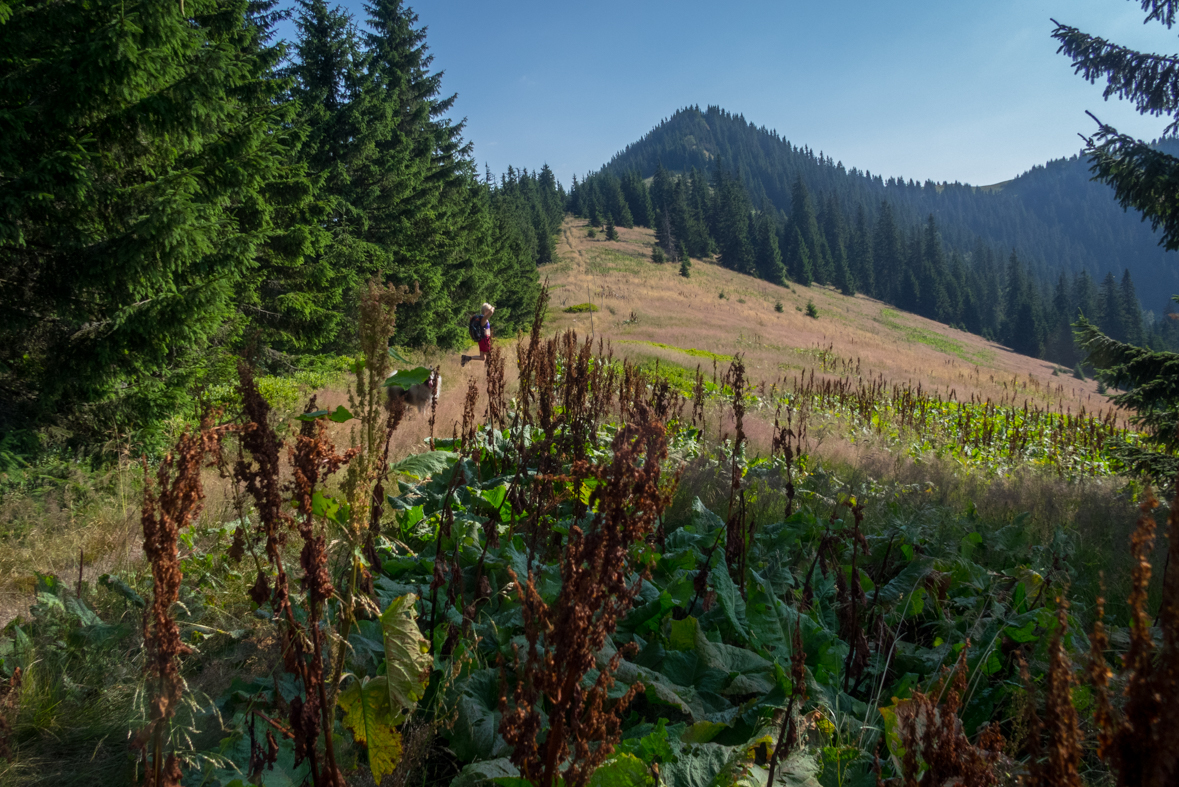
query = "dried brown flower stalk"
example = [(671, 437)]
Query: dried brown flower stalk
[(527, 357), (1140, 740), (9, 700), (164, 515), (851, 600), (470, 425), (737, 533), (788, 731), (497, 403), (932, 734), (1063, 730), (312, 458), (564, 639)]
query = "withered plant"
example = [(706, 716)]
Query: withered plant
[(313, 458), (1139, 737), (470, 425), (378, 416), (497, 401), (788, 443), (165, 514), (9, 701), (366, 397), (851, 602), (698, 399), (788, 729), (1063, 733), (564, 639), (527, 358), (932, 735), (737, 531)]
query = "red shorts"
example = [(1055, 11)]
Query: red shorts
[(485, 344)]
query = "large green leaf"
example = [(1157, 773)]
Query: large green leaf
[(368, 714), (473, 735), (407, 377), (729, 597), (425, 464), (484, 772), (123, 589), (699, 766), (622, 770), (339, 415), (703, 520), (772, 622), (407, 653)]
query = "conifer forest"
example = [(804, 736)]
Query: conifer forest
[(777, 473)]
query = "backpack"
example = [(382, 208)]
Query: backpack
[(475, 327)]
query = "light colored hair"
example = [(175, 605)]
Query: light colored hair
[(488, 309)]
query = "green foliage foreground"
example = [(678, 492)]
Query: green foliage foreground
[(772, 594)]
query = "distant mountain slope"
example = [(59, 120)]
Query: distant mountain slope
[(1054, 215)]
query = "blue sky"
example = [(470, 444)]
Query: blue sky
[(965, 90)]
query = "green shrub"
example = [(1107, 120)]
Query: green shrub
[(591, 233), (581, 308), (778, 307), (1078, 372), (811, 310)]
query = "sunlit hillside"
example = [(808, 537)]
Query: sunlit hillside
[(650, 311)]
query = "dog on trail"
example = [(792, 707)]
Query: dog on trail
[(421, 394)]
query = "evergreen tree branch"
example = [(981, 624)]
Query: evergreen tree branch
[(1143, 178), (1152, 378), (1150, 81)]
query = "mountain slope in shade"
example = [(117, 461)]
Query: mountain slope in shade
[(1053, 215)]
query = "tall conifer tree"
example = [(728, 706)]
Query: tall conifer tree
[(767, 256), (860, 259), (130, 214)]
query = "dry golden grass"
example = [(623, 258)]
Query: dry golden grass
[(856, 332)]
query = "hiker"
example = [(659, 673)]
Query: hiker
[(479, 326)]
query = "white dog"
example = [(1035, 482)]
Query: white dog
[(421, 394)]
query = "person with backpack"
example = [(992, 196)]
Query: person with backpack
[(479, 327)]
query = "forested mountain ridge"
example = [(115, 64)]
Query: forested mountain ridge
[(1054, 215), (710, 183)]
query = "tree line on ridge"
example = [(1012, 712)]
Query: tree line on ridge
[(911, 266)]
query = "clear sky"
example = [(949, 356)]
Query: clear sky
[(957, 90)]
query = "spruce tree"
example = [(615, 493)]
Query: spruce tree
[(767, 256), (611, 233), (860, 258), (699, 243), (142, 159), (886, 250), (801, 271), (1141, 175), (1084, 296), (802, 217), (843, 275), (1142, 178), (1132, 311), (685, 261), (731, 216), (1113, 315)]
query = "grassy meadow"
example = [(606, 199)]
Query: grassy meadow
[(962, 485)]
